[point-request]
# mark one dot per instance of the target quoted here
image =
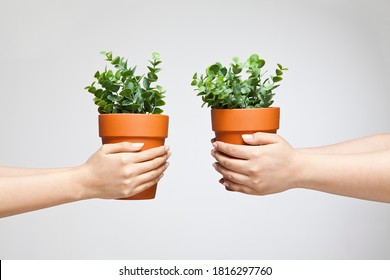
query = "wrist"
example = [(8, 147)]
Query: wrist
[(83, 182), (299, 174)]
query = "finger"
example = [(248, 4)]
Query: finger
[(230, 175), (150, 154), (147, 185), (151, 175), (142, 167), (121, 147), (261, 138), (234, 164), (234, 187), (237, 151)]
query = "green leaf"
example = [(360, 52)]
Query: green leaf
[(160, 103), (135, 107), (146, 83), (102, 103), (223, 71), (118, 74), (92, 89), (254, 58), (155, 55), (108, 108), (114, 87), (126, 93), (98, 93), (157, 111), (116, 60), (279, 72), (147, 94), (109, 74), (152, 77), (277, 79), (127, 102), (261, 63), (160, 89), (129, 85), (214, 69), (113, 98)]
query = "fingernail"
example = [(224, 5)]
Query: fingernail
[(166, 164), (137, 145), (169, 154), (167, 148), (213, 152), (215, 144), (247, 136), (215, 165)]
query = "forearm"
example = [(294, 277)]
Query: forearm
[(6, 171), (364, 176), (367, 144), (32, 192)]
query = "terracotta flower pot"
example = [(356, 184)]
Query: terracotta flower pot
[(230, 124), (137, 128)]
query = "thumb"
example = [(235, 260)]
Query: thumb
[(261, 138)]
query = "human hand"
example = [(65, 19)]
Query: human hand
[(121, 170), (265, 167)]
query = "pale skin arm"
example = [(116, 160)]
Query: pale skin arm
[(372, 143), (271, 165), (114, 171)]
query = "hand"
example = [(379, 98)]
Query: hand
[(121, 170), (266, 167)]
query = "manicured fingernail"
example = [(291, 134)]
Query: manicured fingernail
[(247, 136), (137, 145)]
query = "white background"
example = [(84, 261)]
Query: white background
[(336, 89)]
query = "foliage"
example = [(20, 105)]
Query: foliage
[(122, 91), (226, 88)]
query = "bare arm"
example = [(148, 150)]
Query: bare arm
[(6, 171), (114, 171), (364, 175), (271, 165), (367, 144)]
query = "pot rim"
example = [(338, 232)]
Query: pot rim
[(133, 125), (247, 109), (249, 119)]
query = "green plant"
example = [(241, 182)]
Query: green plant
[(123, 91), (226, 88)]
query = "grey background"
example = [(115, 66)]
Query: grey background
[(336, 89)]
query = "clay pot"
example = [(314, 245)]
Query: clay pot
[(230, 124), (137, 128)]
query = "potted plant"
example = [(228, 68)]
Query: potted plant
[(240, 104), (130, 106)]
